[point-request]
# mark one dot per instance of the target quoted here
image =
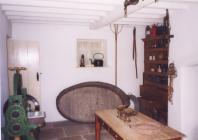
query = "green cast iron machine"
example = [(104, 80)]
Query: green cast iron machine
[(16, 121)]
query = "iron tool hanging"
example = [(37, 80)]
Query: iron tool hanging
[(130, 2), (116, 30), (127, 3), (172, 73), (135, 51)]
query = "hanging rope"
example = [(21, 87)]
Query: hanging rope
[(135, 51), (116, 30)]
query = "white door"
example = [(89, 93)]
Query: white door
[(25, 54)]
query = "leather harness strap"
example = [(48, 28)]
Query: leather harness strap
[(135, 51)]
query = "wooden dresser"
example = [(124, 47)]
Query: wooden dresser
[(154, 91)]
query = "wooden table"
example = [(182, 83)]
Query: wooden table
[(141, 127)]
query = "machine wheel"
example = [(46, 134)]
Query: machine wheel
[(31, 101)]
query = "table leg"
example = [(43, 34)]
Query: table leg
[(17, 138), (98, 127)]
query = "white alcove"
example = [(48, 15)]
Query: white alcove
[(91, 48)]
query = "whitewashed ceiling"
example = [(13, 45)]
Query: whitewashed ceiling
[(94, 13)]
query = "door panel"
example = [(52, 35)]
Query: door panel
[(25, 54), (33, 68)]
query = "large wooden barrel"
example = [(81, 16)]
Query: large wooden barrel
[(79, 102)]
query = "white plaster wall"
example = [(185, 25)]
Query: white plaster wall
[(184, 52), (5, 30), (58, 59), (189, 96)]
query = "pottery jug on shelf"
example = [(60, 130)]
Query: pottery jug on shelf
[(97, 60), (153, 30)]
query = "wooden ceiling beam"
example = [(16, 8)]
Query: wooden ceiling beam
[(52, 10), (110, 2), (131, 23), (30, 14), (54, 4), (160, 11), (168, 5), (148, 20), (98, 13), (50, 22), (118, 13), (181, 1), (136, 22), (48, 19), (148, 16)]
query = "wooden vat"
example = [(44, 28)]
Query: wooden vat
[(79, 102)]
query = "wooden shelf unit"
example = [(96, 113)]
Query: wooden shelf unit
[(157, 61), (154, 91), (156, 73), (159, 37), (158, 49), (156, 84)]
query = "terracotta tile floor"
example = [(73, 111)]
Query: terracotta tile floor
[(71, 131)]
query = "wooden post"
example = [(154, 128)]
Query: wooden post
[(116, 30)]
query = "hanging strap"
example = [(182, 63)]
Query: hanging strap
[(135, 51)]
